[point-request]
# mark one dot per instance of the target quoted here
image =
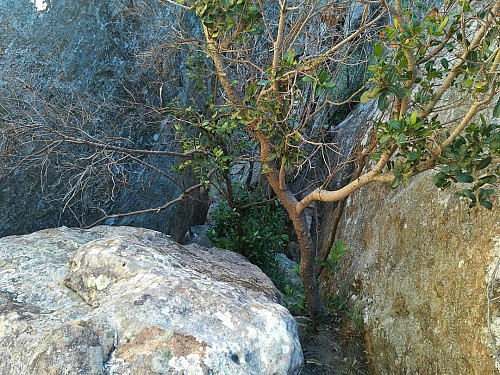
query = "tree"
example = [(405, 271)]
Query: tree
[(276, 77), (274, 72)]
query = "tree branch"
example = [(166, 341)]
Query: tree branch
[(452, 75), (375, 175)]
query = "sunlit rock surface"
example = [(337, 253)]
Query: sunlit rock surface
[(419, 266), (420, 261), (132, 301)]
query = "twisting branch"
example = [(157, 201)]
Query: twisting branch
[(374, 175)]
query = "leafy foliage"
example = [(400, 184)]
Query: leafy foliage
[(221, 137), (222, 16), (411, 134), (294, 296), (332, 263), (415, 135), (465, 160), (332, 266), (392, 69), (256, 231)]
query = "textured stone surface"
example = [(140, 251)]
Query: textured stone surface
[(88, 51), (121, 300), (419, 265), (419, 262)]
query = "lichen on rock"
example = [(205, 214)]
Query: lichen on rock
[(132, 301)]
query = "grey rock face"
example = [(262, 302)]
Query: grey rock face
[(121, 300), (81, 60), (197, 234)]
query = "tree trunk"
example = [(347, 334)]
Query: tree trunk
[(307, 272)]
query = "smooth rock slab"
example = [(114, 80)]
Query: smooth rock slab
[(122, 300)]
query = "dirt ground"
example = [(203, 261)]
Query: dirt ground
[(337, 348)]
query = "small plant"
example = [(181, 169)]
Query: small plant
[(294, 300), (255, 228), (292, 288), (258, 232), (334, 304), (355, 315), (332, 262)]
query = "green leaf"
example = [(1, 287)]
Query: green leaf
[(370, 94), (385, 138), (444, 63), (308, 79), (473, 56), (496, 110), (490, 179), (323, 76), (495, 142), (289, 55), (272, 157), (378, 50), (399, 92), (396, 22), (390, 33), (396, 125), (266, 169), (443, 24), (483, 163), (263, 82), (464, 177), (483, 120), (467, 193), (396, 182), (412, 156), (401, 138), (383, 103), (485, 193), (330, 85), (413, 118), (440, 179), (486, 204)]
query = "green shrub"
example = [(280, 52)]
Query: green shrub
[(254, 228)]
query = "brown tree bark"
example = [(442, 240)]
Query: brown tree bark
[(307, 270)]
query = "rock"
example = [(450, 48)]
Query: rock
[(197, 234), (288, 271), (246, 172), (122, 300), (90, 55), (419, 265), (293, 251)]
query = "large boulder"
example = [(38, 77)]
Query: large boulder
[(122, 300), (419, 268), (98, 66)]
